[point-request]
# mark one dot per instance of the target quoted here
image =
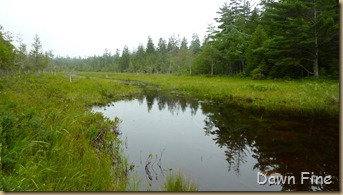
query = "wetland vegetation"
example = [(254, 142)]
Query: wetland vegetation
[(264, 81), (294, 97)]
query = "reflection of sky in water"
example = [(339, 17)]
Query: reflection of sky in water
[(181, 137)]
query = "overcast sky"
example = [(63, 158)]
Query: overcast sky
[(87, 27)]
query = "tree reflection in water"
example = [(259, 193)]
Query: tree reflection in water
[(283, 145)]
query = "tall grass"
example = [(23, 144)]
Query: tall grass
[(48, 135), (178, 182)]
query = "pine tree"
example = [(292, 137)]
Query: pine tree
[(162, 55), (125, 59), (150, 47), (184, 44), (36, 54), (301, 31), (195, 44), (256, 59), (151, 57)]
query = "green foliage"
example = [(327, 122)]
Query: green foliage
[(125, 59), (256, 53), (258, 73), (195, 46), (7, 51), (298, 39), (36, 54)]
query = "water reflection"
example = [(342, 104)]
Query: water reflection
[(285, 146), (172, 102)]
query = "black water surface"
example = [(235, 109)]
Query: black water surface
[(222, 147)]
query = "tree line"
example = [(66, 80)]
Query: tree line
[(18, 59), (172, 56), (295, 38), (277, 39)]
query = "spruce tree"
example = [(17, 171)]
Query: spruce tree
[(36, 54)]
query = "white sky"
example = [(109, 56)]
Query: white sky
[(87, 27)]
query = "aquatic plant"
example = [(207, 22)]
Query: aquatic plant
[(178, 182)]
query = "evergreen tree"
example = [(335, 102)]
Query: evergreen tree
[(150, 48), (194, 50), (162, 55), (21, 54), (195, 44), (7, 51), (252, 22), (138, 61), (48, 61), (36, 54), (150, 57), (256, 59), (184, 44), (299, 31), (173, 49), (124, 59), (184, 57)]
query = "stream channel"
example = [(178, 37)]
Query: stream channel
[(221, 147)]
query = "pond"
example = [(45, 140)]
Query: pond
[(222, 147)]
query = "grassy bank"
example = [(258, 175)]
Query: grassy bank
[(50, 139), (299, 97)]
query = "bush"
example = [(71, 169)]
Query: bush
[(257, 73)]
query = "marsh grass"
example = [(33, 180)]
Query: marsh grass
[(47, 134), (297, 97), (178, 182)]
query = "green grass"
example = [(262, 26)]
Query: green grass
[(298, 97), (51, 141), (178, 182)]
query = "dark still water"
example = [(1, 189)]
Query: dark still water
[(223, 148)]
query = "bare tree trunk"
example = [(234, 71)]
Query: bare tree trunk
[(315, 63), (190, 68), (212, 67), (243, 64), (70, 78), (169, 67)]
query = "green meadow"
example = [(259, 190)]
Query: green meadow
[(293, 97)]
